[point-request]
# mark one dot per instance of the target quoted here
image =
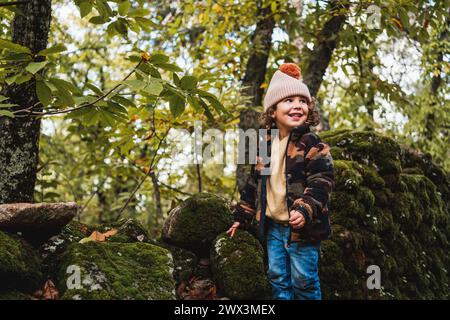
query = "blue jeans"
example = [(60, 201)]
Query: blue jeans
[(293, 271)]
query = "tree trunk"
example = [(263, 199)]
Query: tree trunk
[(19, 137), (323, 51), (255, 73)]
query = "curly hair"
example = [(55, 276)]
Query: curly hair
[(313, 119)]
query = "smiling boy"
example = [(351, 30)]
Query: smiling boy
[(291, 204)]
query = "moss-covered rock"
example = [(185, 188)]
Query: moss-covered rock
[(128, 230), (116, 271), (366, 147), (195, 222), (20, 266), (389, 209), (238, 266), (52, 250), (14, 295)]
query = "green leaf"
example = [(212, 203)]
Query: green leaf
[(64, 95), (3, 98), (217, 105), (6, 113), (65, 84), (135, 85), (139, 13), (177, 105), (14, 47), (34, 67), (12, 79), (124, 7), (123, 101), (55, 49), (103, 8), (7, 105), (170, 67), (154, 87), (44, 93), (121, 26), (94, 88), (188, 82), (207, 112), (85, 240), (193, 101), (147, 24), (23, 78), (85, 8), (97, 20), (158, 58)]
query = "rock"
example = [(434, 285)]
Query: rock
[(195, 222), (52, 250), (185, 262), (14, 295), (366, 147), (36, 221), (112, 270), (128, 230), (20, 267), (238, 266), (389, 209)]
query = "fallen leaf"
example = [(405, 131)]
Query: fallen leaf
[(50, 291), (47, 292), (97, 236), (85, 240), (110, 233)]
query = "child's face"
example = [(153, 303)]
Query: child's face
[(291, 112)]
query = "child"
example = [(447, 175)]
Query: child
[(290, 205)]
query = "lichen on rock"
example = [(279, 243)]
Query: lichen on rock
[(110, 270)]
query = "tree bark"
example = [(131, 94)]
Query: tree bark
[(323, 51), (19, 137), (255, 73)]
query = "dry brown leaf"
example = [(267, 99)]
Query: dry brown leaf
[(101, 237), (110, 233), (50, 292), (47, 292), (97, 236)]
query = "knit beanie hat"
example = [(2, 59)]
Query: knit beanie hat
[(285, 82)]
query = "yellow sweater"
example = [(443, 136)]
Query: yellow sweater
[(276, 183)]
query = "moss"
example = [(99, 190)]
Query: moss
[(395, 216), (195, 223), (51, 251), (128, 230), (238, 266), (19, 264), (368, 148), (14, 295), (118, 271), (347, 175)]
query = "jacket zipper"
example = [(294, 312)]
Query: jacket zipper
[(285, 172)]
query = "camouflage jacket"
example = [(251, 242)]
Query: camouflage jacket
[(309, 183)]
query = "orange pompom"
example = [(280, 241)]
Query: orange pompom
[(291, 69)]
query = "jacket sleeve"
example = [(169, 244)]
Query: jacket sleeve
[(245, 209), (319, 178)]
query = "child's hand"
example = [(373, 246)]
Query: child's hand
[(297, 220), (233, 229)]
